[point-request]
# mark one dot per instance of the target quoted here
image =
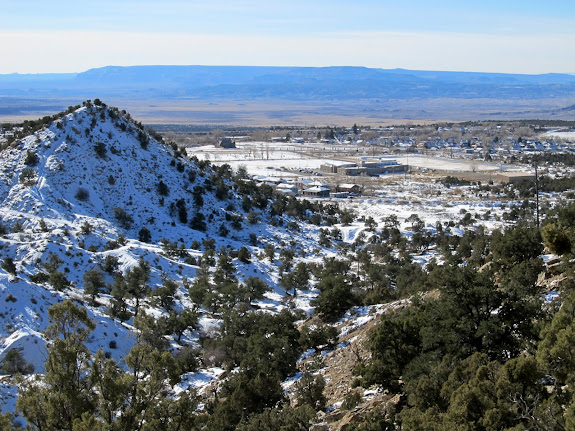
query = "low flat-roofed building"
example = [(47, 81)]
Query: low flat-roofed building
[(334, 167), (515, 177)]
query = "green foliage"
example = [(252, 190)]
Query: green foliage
[(137, 278), (111, 263), (86, 228), (351, 400), (198, 222), (144, 235), (93, 283), (178, 323), (253, 289), (347, 217), (66, 393), (8, 265), (7, 422), (479, 394), (124, 219), (144, 139), (269, 251), (31, 159), (152, 331), (285, 419), (261, 341), (318, 337), (118, 307), (463, 355), (450, 181), (82, 194), (309, 390), (171, 248), (517, 244), (39, 277), (298, 279), (163, 189), (556, 351), (100, 149), (166, 294), (244, 255), (59, 281), (84, 392), (14, 362), (200, 286), (335, 297), (245, 394), (182, 211), (557, 238), (53, 264), (394, 344), (225, 270), (28, 177)]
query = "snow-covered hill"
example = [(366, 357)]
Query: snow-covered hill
[(93, 183)]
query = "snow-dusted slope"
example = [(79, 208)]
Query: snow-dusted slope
[(61, 191), (73, 183)]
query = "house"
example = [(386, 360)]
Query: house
[(226, 143), (317, 192), (304, 183), (349, 188), (287, 189)]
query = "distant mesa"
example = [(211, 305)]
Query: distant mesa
[(293, 93)]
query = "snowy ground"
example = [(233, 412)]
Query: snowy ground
[(442, 163), (273, 159), (560, 135)]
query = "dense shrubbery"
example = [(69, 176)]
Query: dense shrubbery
[(484, 352)]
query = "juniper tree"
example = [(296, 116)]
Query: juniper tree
[(136, 282), (93, 283), (65, 393)]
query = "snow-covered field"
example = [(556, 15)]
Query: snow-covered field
[(442, 163), (261, 158), (561, 135)]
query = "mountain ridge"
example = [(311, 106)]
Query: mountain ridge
[(270, 81), (260, 95)]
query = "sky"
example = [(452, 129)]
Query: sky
[(507, 36)]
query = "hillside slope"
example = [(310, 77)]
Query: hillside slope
[(94, 185)]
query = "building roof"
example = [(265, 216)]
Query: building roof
[(317, 189)]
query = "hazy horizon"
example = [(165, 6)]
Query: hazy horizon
[(267, 65), (526, 37)]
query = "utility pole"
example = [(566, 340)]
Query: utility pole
[(536, 194)]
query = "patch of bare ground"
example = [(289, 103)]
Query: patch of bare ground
[(337, 369)]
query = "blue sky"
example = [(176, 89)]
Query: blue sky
[(507, 36)]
